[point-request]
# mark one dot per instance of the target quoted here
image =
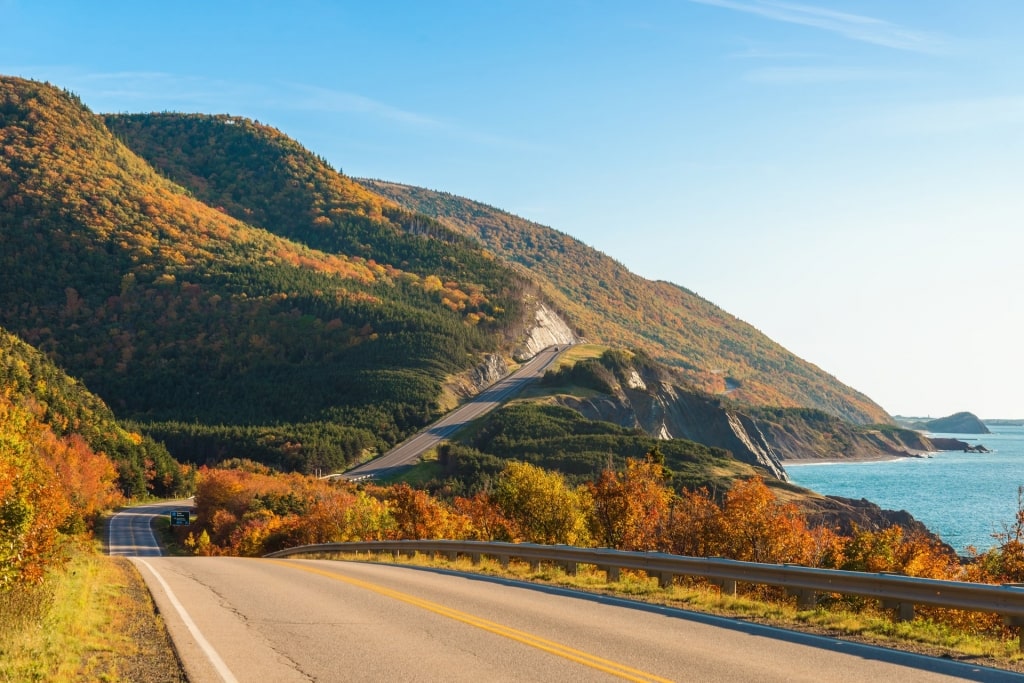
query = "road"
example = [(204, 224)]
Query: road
[(238, 619), (235, 619), (408, 451), (130, 531)]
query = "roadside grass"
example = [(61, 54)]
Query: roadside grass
[(71, 627), (92, 619), (580, 352), (426, 469), (765, 605)]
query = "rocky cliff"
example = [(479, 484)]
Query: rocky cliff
[(645, 398), (636, 392), (548, 330)]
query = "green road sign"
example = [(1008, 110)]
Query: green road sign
[(179, 518)]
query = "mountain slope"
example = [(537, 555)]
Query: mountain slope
[(175, 312), (258, 175), (28, 378), (717, 352)]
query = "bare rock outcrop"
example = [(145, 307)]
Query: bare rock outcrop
[(548, 330), (643, 399)]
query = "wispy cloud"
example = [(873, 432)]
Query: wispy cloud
[(314, 98), (317, 98), (853, 26), (132, 91), (118, 91)]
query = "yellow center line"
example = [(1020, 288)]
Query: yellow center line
[(585, 658)]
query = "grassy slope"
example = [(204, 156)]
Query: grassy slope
[(715, 350), (92, 620)]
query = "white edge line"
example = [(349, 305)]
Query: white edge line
[(204, 644)]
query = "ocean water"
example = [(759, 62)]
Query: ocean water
[(963, 497)]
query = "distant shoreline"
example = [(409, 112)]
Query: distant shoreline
[(797, 462)]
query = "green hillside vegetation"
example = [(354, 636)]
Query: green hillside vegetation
[(560, 439), (717, 352), (66, 407), (178, 314), (258, 175)]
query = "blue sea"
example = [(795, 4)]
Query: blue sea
[(963, 497)]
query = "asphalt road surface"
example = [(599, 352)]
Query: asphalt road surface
[(129, 531), (408, 451), (235, 619)]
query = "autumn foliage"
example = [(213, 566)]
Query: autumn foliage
[(249, 510), (50, 486)]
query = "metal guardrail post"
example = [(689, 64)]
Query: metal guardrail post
[(612, 573), (805, 598), (904, 611)]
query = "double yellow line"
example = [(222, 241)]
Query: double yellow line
[(593, 661)]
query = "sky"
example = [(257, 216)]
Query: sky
[(844, 175)]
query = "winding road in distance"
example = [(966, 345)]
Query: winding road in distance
[(408, 451)]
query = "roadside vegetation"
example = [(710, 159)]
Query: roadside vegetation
[(91, 619), (68, 613), (251, 511)]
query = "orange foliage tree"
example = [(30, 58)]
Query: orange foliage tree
[(630, 510), (48, 486)]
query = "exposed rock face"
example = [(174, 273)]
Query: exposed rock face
[(840, 441), (468, 384), (645, 401), (487, 373), (958, 423), (647, 396), (548, 330)]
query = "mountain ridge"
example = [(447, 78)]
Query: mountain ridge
[(717, 352), (231, 293)]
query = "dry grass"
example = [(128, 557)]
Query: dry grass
[(90, 621)]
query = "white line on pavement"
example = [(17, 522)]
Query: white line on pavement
[(218, 663)]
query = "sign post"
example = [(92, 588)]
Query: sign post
[(180, 518)]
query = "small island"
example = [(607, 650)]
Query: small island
[(957, 423)]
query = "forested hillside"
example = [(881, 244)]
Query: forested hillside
[(259, 175), (179, 314), (34, 385), (717, 352)]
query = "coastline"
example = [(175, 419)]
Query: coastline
[(797, 462)]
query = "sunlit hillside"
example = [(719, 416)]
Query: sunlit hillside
[(179, 314), (717, 352)]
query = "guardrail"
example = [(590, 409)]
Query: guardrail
[(895, 591)]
